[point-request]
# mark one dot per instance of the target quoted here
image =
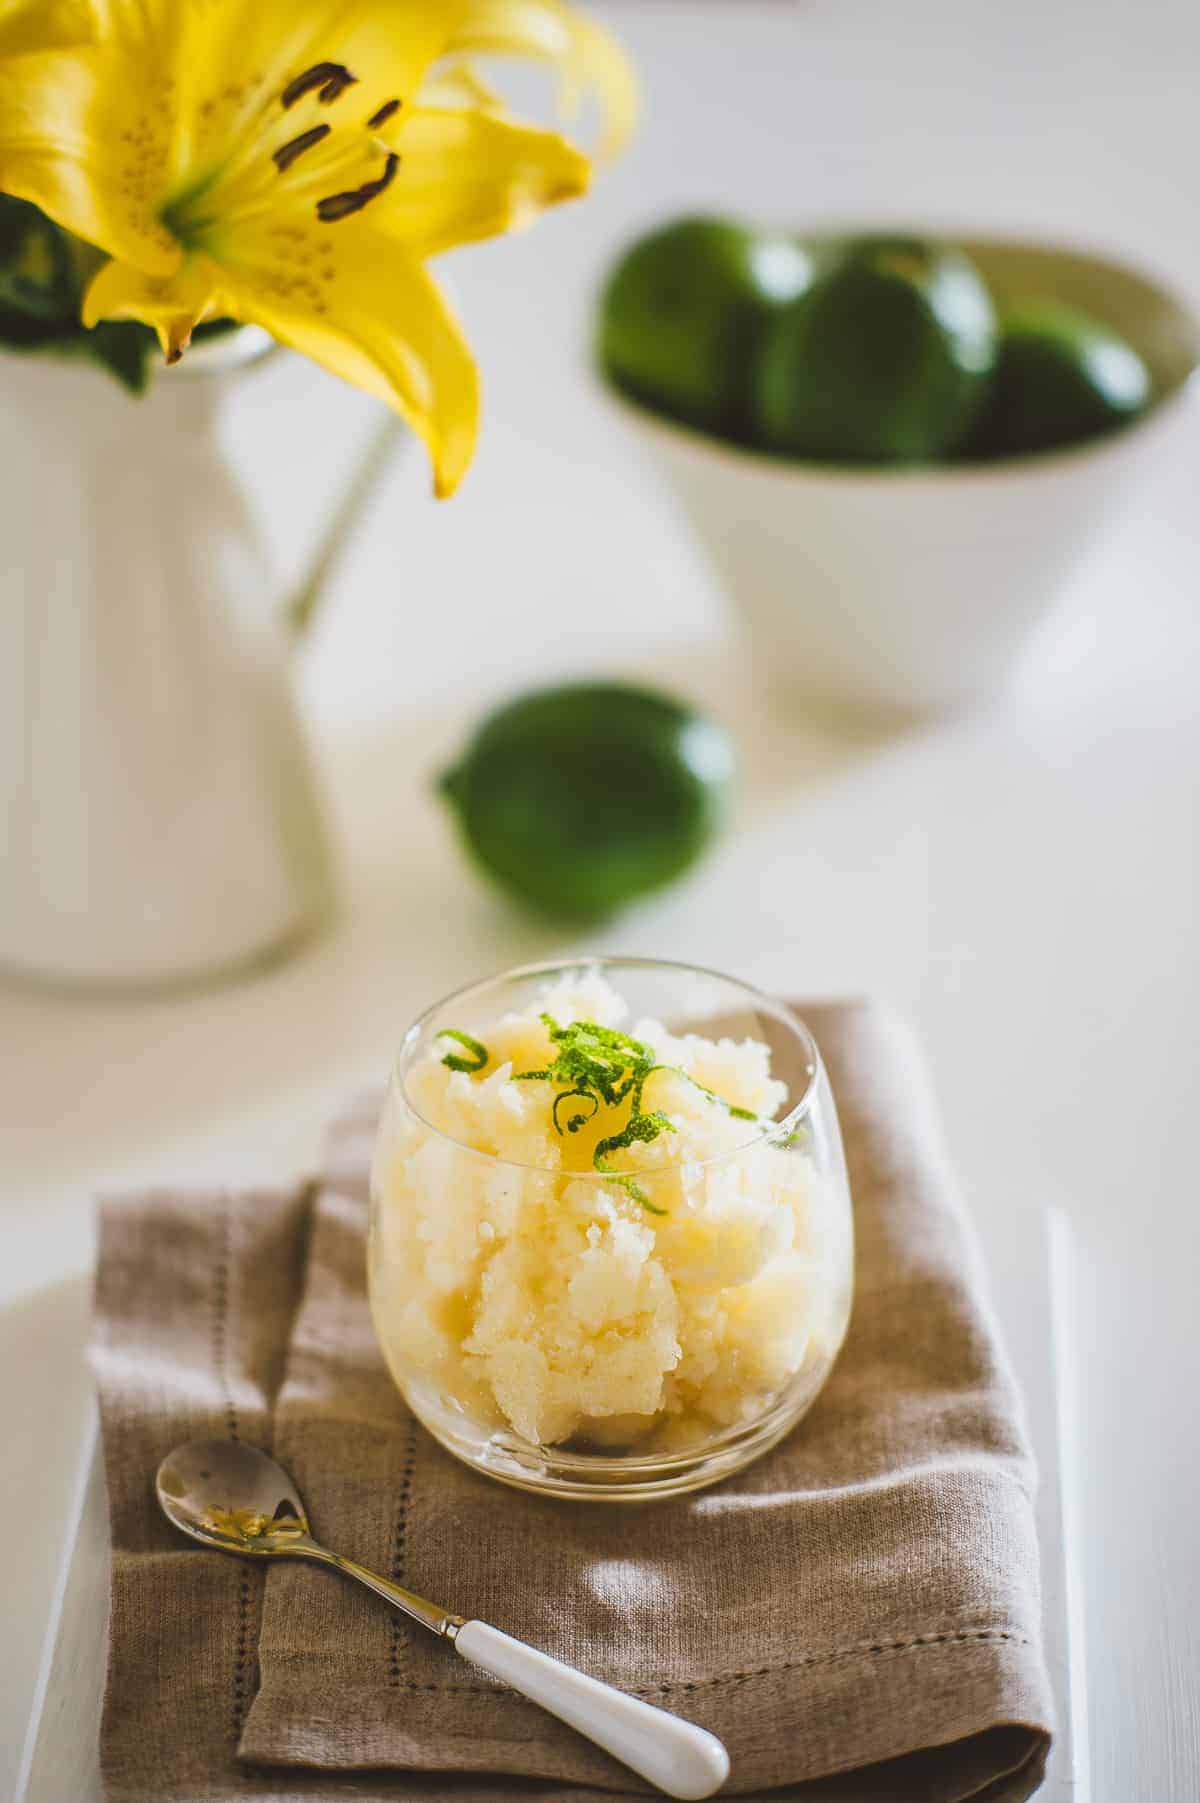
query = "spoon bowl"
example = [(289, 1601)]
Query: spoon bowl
[(233, 1497)]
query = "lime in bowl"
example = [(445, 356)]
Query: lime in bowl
[(611, 1242)]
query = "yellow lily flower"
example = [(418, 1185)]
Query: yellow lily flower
[(293, 164)]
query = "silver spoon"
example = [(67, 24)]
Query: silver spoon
[(235, 1498)]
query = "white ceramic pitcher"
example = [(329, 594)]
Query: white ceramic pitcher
[(160, 818)]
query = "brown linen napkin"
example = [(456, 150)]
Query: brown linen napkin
[(857, 1614)]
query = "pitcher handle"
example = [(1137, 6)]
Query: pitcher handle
[(364, 480)]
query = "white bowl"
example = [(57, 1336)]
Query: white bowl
[(915, 588)]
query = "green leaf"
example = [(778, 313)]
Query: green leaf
[(124, 348), (18, 294), (20, 331), (215, 328), (36, 271)]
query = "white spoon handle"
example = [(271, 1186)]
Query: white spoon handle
[(683, 1760)]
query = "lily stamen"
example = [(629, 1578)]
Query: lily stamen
[(340, 206), (331, 78), (383, 115), (286, 155)]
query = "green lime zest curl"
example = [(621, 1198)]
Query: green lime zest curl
[(640, 1128), (603, 1067), (479, 1053), (575, 1121), (731, 1108)]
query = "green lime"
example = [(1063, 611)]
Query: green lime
[(682, 315), (1061, 377), (579, 799), (885, 358)]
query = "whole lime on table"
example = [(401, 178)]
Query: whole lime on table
[(1061, 377), (578, 800), (683, 313), (885, 357)]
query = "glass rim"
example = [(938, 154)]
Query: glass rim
[(550, 967)]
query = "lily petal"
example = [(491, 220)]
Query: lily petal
[(74, 141), (243, 40), (242, 58), (27, 25), (371, 315), (467, 175), (173, 305), (590, 61), (459, 84), (408, 351)]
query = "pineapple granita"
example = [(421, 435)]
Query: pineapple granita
[(588, 1234)]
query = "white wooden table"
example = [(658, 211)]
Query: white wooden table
[(1023, 883)]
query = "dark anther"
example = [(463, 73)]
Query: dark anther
[(383, 115), (340, 206), (331, 78), (286, 155)]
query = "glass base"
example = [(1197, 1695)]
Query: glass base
[(620, 1478)]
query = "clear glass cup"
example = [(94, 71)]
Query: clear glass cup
[(623, 1332)]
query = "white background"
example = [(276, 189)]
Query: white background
[(1022, 883)]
